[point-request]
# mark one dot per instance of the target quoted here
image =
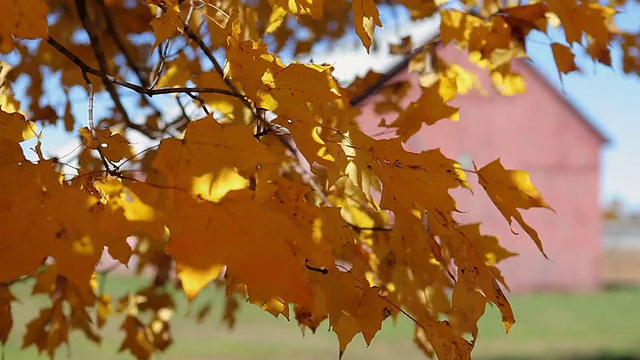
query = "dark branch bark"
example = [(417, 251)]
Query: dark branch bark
[(139, 89), (121, 45), (368, 92), (98, 52)]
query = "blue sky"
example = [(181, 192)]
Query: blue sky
[(609, 98), (606, 96)]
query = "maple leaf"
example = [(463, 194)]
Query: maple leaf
[(247, 63), (525, 18), (578, 18), (428, 109), (507, 82), (269, 268), (510, 190), (6, 318), (114, 147), (22, 19), (276, 195), (314, 8), (168, 24), (373, 309), (405, 176), (564, 59), (136, 339), (14, 127), (366, 18), (291, 90), (48, 331)]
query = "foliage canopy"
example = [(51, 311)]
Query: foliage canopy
[(262, 183)]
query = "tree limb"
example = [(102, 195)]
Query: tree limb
[(139, 89)]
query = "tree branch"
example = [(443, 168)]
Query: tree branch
[(402, 65), (116, 38), (216, 65), (98, 52), (139, 89)]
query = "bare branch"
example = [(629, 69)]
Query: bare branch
[(98, 51), (139, 89)]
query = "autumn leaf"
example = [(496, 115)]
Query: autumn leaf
[(114, 147), (168, 24), (297, 89), (366, 18), (507, 82), (373, 309), (578, 18), (313, 8), (6, 318), (14, 127), (216, 150), (511, 190), (22, 19), (104, 309), (428, 109), (564, 58)]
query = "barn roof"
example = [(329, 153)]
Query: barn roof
[(404, 64)]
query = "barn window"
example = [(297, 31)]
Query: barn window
[(465, 160)]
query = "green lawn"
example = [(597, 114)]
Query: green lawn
[(605, 325)]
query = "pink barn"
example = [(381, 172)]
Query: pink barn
[(539, 132)]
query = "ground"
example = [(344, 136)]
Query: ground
[(552, 326)]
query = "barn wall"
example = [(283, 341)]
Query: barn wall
[(541, 133)]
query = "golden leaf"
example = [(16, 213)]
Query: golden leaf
[(564, 58), (373, 309), (14, 127), (6, 318), (346, 328), (276, 195), (168, 24), (430, 107), (511, 190), (104, 309), (22, 19), (366, 18)]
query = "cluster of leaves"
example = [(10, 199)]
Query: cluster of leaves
[(274, 192)]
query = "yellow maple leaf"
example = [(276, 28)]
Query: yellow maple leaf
[(14, 127), (204, 235), (114, 147), (168, 24), (511, 190), (564, 59), (313, 8), (209, 148), (373, 309), (248, 62), (507, 82), (292, 90), (6, 318), (366, 18), (278, 15), (22, 19), (430, 107)]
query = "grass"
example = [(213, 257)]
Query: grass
[(603, 325)]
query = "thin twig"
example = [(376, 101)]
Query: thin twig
[(216, 65), (116, 38), (139, 89), (98, 51), (123, 49)]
